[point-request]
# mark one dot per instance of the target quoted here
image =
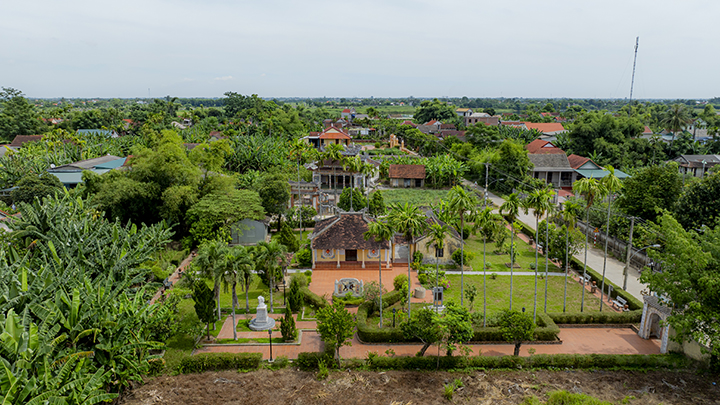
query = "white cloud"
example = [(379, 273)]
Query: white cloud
[(223, 78)]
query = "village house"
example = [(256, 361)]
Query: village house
[(407, 175), (338, 242), (328, 136), (696, 165), (485, 118)]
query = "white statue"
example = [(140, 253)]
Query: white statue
[(261, 302)]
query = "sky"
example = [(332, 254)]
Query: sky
[(384, 48)]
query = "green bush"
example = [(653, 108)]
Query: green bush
[(369, 333), (304, 257), (288, 238), (308, 274), (312, 299), (418, 257), (219, 361), (595, 317), (348, 299), (399, 280), (469, 256), (309, 360)]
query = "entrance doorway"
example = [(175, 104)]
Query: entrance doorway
[(350, 255)]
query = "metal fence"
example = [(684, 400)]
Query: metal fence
[(617, 248)]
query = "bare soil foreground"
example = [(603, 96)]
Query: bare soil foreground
[(293, 387)]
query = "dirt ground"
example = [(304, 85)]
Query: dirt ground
[(290, 386)]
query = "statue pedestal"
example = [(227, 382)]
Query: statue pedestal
[(261, 321)]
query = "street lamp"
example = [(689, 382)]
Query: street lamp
[(627, 265), (394, 310), (270, 335)]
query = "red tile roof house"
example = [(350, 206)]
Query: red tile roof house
[(338, 241), (407, 175), (550, 164)]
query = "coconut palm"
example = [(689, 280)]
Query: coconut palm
[(272, 259), (511, 208), (210, 259), (462, 203), (569, 216), (437, 234), (382, 232), (353, 165), (333, 153), (410, 222), (302, 152), (539, 202), (590, 189), (611, 184), (237, 260), (676, 119), (368, 170), (487, 223)]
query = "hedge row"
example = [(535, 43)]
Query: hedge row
[(633, 303), (309, 361), (596, 317), (219, 361), (312, 299)]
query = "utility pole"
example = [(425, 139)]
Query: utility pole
[(486, 193), (629, 252)]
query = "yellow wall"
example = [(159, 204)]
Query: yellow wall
[(361, 254), (451, 245)]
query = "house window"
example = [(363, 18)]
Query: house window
[(408, 182), (439, 252)]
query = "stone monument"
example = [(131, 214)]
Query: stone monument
[(261, 321)]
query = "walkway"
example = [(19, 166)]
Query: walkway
[(174, 277), (575, 341), (614, 269)]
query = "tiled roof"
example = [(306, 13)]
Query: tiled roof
[(408, 122), (431, 122), (21, 140), (647, 131), (344, 231), (545, 127), (576, 161), (406, 171), (334, 133), (540, 146), (550, 161)]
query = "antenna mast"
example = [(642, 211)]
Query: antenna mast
[(632, 82)]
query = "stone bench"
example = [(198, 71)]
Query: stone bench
[(620, 303)]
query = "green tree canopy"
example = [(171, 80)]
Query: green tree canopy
[(17, 116), (516, 327), (651, 188), (33, 185), (434, 110), (699, 204), (214, 215), (336, 326)]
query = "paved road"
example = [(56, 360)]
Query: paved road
[(595, 256)]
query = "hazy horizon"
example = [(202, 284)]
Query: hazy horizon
[(385, 49)]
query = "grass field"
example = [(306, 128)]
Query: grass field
[(416, 196), (525, 256)]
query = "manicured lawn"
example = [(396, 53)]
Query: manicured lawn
[(498, 293), (416, 196), (524, 257)]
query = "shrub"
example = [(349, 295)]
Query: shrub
[(304, 257), (219, 361), (591, 317), (469, 256), (287, 328), (288, 238), (308, 274), (399, 281), (312, 299), (309, 360), (418, 257)]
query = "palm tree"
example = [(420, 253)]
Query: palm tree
[(210, 259), (611, 184), (333, 152), (539, 201), (437, 234), (676, 119), (590, 189), (487, 223), (569, 216), (381, 232), (462, 202), (353, 165), (245, 269), (511, 207), (368, 170), (410, 222), (301, 151), (272, 257), (237, 259)]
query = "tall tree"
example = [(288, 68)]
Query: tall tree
[(539, 201), (409, 221), (462, 204), (237, 261), (569, 216), (17, 116), (689, 282), (590, 189), (511, 208), (487, 223), (437, 234), (273, 261), (204, 303), (676, 118), (382, 232), (611, 184), (211, 258), (516, 327), (650, 188), (353, 165), (698, 204), (301, 151)]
